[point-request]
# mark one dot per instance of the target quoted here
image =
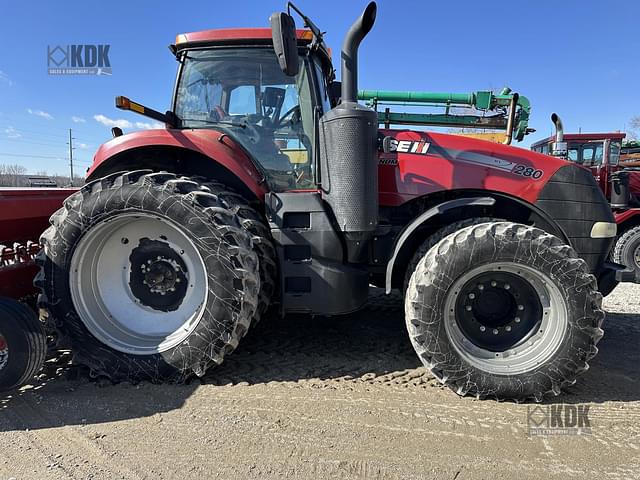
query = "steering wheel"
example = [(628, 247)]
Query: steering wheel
[(288, 113), (219, 112)]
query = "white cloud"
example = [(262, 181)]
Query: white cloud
[(122, 123), (109, 122), (11, 133), (78, 119), (149, 126), (4, 78), (83, 146), (40, 113)]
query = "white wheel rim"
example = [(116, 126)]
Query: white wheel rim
[(534, 350), (4, 352), (109, 301)]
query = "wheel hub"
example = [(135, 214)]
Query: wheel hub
[(4, 352), (158, 276), (497, 310)]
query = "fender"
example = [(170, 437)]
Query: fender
[(217, 146), (625, 216), (424, 217)]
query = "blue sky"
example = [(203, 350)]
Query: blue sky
[(579, 58)]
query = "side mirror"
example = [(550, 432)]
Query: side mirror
[(335, 92), (283, 32)]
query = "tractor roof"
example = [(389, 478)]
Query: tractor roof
[(228, 36), (582, 137)]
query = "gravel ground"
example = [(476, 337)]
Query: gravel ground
[(324, 398)]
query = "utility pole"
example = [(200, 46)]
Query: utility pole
[(71, 158)]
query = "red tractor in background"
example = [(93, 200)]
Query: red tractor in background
[(619, 180), (271, 186), (24, 215)]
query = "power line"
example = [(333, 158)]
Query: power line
[(4, 154)]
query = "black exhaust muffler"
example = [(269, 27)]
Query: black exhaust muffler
[(620, 189), (348, 157)]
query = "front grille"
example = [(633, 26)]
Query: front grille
[(573, 199)]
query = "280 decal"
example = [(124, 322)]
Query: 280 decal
[(525, 171)]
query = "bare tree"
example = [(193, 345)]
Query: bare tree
[(633, 132), (10, 175)]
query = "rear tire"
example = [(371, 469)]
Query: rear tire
[(261, 242), (149, 275), (503, 310), (23, 344), (627, 250)]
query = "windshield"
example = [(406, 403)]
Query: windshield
[(244, 92), (587, 154)]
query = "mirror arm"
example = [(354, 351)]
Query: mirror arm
[(169, 118)]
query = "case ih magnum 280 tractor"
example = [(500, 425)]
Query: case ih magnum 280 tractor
[(271, 185)]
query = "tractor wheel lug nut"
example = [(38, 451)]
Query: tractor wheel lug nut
[(520, 307), (493, 283), (468, 308), (495, 331), (472, 296), (480, 287), (482, 328), (507, 286), (508, 328), (517, 319)]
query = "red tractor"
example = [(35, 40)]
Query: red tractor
[(600, 153), (271, 186), (24, 214)]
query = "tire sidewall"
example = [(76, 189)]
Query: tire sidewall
[(15, 330), (629, 244)]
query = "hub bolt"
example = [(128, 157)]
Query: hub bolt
[(494, 283), (520, 307), (508, 328), (482, 328), (480, 287), (517, 319), (507, 286), (495, 331), (468, 308), (472, 296)]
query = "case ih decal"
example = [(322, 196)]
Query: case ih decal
[(407, 146)]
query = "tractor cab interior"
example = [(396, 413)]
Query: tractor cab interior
[(245, 93)]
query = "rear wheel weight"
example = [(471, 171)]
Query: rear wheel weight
[(557, 327), (149, 275)]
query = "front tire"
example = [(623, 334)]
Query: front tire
[(150, 276), (503, 310)]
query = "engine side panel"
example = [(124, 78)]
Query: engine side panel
[(427, 162)]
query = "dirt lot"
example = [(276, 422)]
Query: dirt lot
[(318, 398)]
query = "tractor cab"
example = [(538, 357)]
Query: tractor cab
[(231, 80), (599, 152)]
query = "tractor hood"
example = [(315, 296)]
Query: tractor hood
[(180, 145), (420, 163)]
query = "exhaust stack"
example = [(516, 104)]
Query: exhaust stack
[(559, 147), (350, 45), (348, 160)]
